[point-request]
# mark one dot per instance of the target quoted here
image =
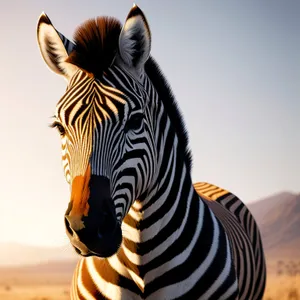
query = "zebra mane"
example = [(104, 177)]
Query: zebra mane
[(166, 95), (96, 45)]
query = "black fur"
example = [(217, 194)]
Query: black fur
[(96, 45), (167, 97)]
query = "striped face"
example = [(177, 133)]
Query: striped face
[(108, 146), (107, 124)]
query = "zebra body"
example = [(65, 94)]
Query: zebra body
[(144, 230), (229, 210), (153, 274)]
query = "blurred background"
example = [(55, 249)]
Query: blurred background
[(234, 68)]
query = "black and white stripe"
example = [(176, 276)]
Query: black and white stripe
[(244, 236), (180, 241)]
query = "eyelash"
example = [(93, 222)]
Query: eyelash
[(59, 127)]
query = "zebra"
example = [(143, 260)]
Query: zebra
[(141, 228)]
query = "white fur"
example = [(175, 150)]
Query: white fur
[(48, 33), (126, 43), (86, 294)]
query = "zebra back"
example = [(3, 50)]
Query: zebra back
[(244, 238)]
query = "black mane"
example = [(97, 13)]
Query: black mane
[(96, 45), (166, 95)]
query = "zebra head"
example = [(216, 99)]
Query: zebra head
[(106, 120)]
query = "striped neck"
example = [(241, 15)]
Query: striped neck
[(164, 223)]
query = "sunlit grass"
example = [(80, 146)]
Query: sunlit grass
[(283, 281), (283, 287)]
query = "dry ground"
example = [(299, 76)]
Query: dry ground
[(282, 287), (283, 279), (35, 292), (16, 285), (19, 285), (278, 288)]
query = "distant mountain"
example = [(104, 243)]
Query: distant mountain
[(261, 207), (14, 254), (278, 217)]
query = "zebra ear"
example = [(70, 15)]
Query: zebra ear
[(135, 39), (55, 48)]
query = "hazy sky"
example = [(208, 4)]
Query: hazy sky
[(234, 67)]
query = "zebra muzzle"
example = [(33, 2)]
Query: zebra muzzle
[(95, 231)]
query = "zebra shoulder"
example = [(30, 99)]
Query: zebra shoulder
[(214, 196), (225, 204), (210, 191)]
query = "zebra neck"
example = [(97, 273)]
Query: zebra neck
[(170, 196), (168, 216), (171, 229)]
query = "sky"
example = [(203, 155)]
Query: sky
[(234, 67)]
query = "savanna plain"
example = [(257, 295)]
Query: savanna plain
[(17, 284)]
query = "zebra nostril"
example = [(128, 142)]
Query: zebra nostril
[(78, 251), (68, 227)]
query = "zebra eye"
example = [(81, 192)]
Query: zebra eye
[(59, 127), (134, 122)]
